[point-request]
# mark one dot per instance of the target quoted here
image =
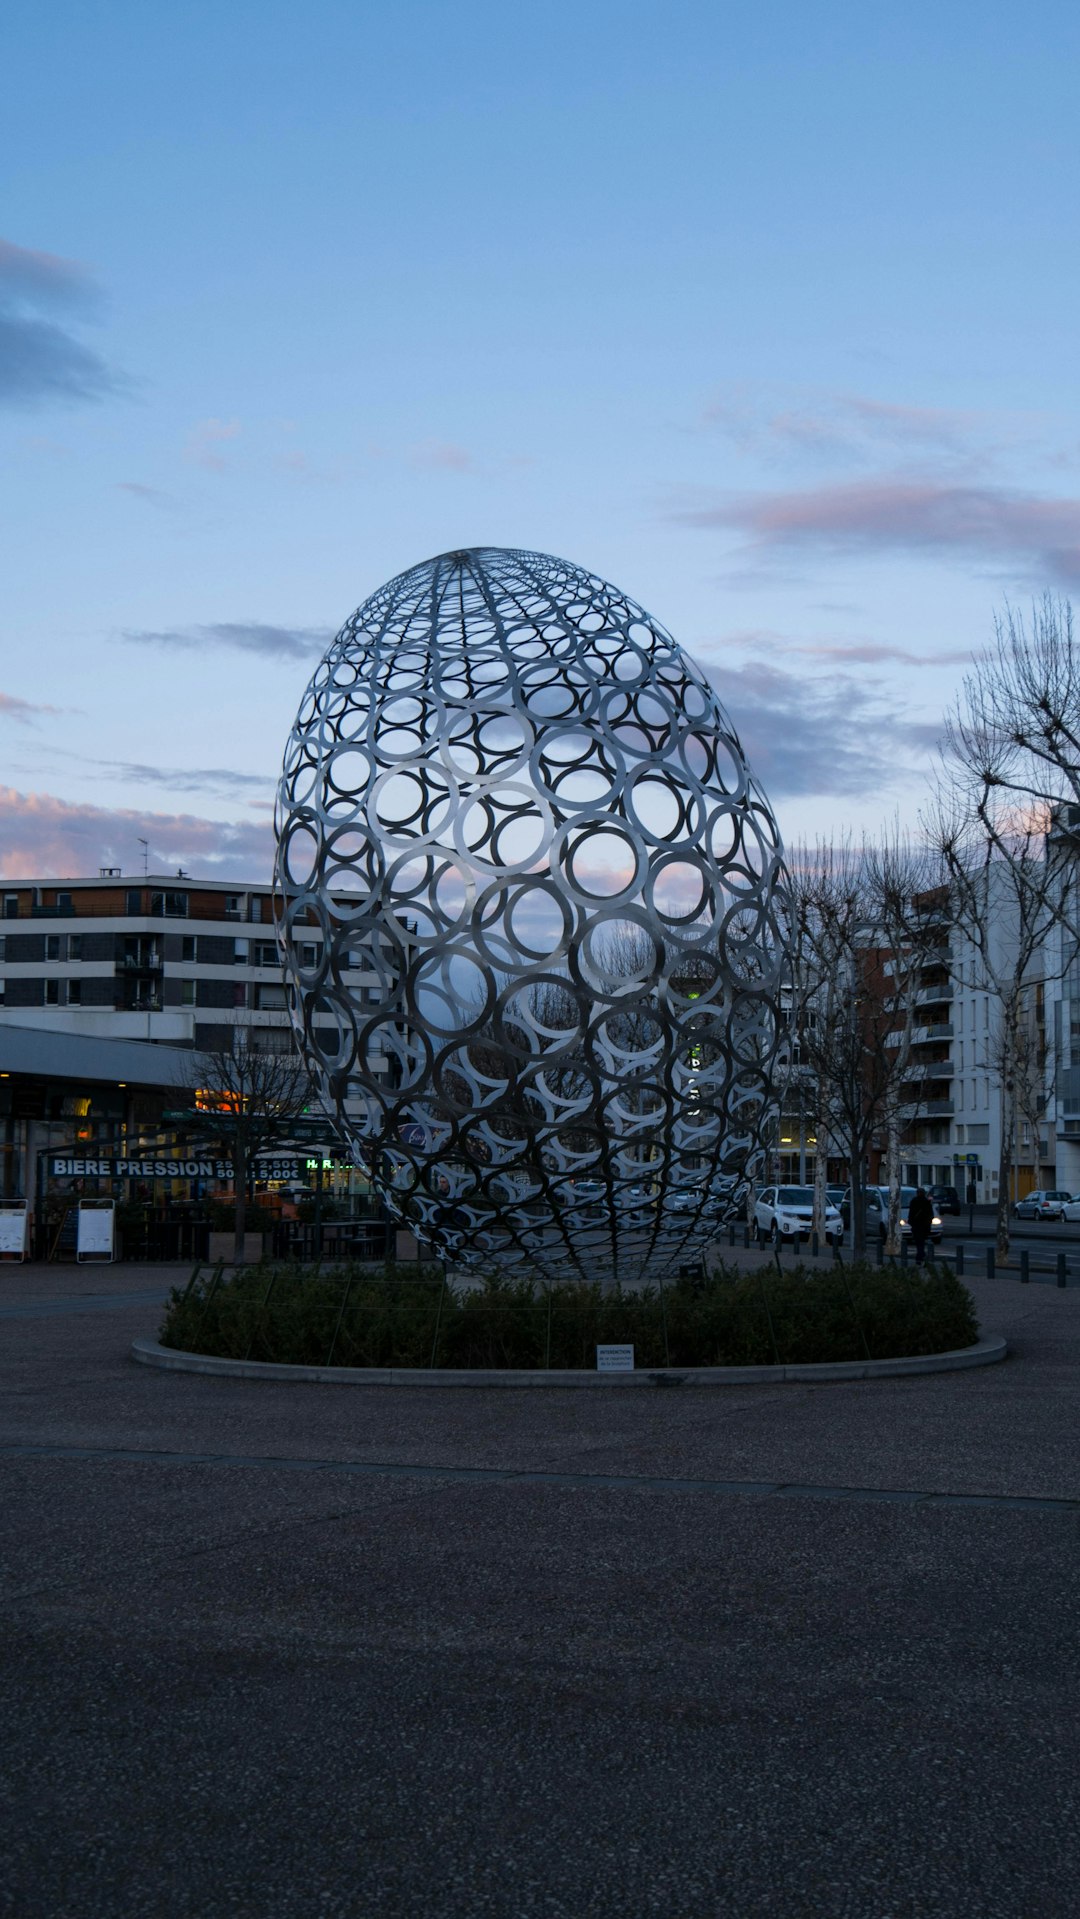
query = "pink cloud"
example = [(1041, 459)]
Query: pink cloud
[(205, 437), (879, 516), (441, 454), (24, 711), (41, 835)]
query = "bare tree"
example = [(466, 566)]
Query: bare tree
[(1011, 759), (862, 932), (246, 1099), (1002, 904)]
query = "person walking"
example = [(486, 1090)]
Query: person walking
[(920, 1219)]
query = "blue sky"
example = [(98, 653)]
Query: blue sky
[(765, 312)]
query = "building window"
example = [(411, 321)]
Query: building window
[(187, 992), (270, 999), (74, 946), (239, 993), (52, 946), (240, 952), (63, 901), (133, 900), (271, 1039), (170, 906), (187, 949), (265, 954), (74, 992), (11, 906), (3, 946), (52, 992), (232, 906), (309, 956), (255, 908)]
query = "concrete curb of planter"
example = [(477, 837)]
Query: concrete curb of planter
[(986, 1352)]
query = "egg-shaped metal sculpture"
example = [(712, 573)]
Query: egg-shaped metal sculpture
[(511, 796)]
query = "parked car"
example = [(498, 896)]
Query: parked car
[(697, 1199), (781, 1212), (1071, 1208), (876, 1199), (946, 1199), (1042, 1204)]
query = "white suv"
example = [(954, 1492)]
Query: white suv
[(781, 1212)]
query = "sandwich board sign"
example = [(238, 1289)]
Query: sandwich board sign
[(95, 1229), (14, 1229)]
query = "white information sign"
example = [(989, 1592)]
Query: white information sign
[(14, 1221), (614, 1359), (95, 1232)]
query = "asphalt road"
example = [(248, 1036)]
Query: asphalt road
[(286, 1650)]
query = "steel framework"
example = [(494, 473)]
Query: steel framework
[(512, 793)]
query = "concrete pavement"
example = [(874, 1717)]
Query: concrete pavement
[(281, 1650)]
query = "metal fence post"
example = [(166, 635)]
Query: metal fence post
[(1025, 1268), (959, 1262), (989, 1262), (1061, 1278)]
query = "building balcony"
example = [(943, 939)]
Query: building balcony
[(936, 1109), (149, 963), (935, 995)]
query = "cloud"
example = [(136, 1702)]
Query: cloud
[(192, 779), (150, 495), (821, 736), (874, 653), (205, 438), (857, 429), (39, 359), (270, 642), (24, 711), (42, 834), (441, 455), (991, 524)]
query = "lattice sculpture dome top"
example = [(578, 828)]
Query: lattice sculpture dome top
[(544, 1006)]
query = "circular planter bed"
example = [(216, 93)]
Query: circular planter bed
[(385, 1325)]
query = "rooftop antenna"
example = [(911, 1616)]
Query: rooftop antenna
[(145, 844)]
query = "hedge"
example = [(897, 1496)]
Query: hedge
[(351, 1315)]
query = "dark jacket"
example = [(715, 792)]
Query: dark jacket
[(921, 1215)]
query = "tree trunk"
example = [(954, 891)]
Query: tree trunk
[(240, 1177), (821, 1167), (1008, 1129), (892, 1175)]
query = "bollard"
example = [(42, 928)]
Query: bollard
[(1061, 1270), (746, 1238), (731, 1234), (959, 1262), (903, 1252), (989, 1262), (880, 1251), (814, 1247), (1025, 1268)]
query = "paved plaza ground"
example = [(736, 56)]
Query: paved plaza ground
[(285, 1651)]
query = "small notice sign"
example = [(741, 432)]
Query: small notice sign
[(614, 1359)]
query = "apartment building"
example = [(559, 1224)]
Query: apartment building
[(105, 984), (167, 959)]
